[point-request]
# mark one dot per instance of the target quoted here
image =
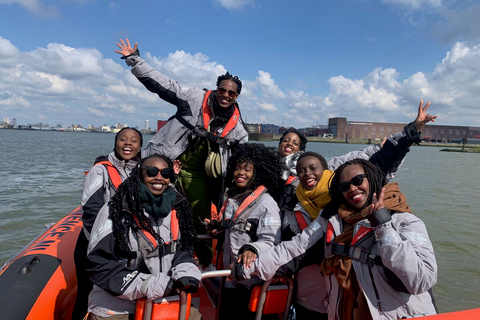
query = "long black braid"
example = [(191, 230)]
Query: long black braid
[(123, 218), (376, 180), (267, 166)]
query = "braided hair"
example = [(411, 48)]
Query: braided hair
[(267, 166), (123, 218), (375, 176), (228, 76)]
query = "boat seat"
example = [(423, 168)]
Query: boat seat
[(271, 298), (176, 307)]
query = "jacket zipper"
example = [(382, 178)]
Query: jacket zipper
[(380, 310)]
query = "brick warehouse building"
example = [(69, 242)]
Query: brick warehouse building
[(343, 129)]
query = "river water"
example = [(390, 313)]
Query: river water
[(43, 171)]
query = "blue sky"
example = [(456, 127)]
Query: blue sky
[(301, 62)]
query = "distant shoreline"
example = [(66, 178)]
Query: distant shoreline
[(260, 138)]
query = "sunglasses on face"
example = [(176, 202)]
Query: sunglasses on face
[(356, 181), (231, 93), (152, 172)]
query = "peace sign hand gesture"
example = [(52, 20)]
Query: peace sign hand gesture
[(423, 117), (377, 203)]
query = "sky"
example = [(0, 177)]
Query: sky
[(301, 61)]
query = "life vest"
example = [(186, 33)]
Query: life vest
[(207, 114), (202, 131), (289, 199), (114, 176), (148, 245), (358, 249), (240, 220), (302, 222)]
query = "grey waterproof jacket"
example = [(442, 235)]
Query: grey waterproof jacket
[(173, 138), (404, 248), (120, 280), (98, 189)]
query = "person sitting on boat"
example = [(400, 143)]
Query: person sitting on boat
[(141, 244), (201, 134), (379, 262), (311, 194), (100, 185), (249, 219)]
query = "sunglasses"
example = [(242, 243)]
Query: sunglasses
[(356, 181), (153, 172), (231, 93)]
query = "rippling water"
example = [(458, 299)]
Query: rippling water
[(43, 171)]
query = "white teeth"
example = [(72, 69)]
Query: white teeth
[(356, 196)]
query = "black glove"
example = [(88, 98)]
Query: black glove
[(187, 284)]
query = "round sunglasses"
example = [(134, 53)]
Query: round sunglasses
[(356, 181)]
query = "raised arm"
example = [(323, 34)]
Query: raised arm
[(391, 155)]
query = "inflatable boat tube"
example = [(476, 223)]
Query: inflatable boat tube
[(40, 281)]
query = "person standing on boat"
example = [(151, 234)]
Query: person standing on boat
[(379, 262), (201, 134), (100, 185), (141, 244)]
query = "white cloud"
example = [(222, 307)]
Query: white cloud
[(268, 86), (64, 84), (234, 4), (267, 107), (35, 7), (415, 4)]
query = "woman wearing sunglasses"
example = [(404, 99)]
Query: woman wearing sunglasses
[(141, 244), (205, 128), (306, 195), (379, 262)]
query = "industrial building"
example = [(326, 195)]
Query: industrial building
[(343, 129)]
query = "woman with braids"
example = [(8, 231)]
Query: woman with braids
[(309, 194), (100, 185), (379, 261), (249, 219), (201, 134), (141, 244)]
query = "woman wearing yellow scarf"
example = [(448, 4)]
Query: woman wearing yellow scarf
[(312, 194)]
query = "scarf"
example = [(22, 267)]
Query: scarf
[(352, 304), (160, 206), (314, 200)]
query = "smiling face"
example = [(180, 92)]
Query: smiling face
[(310, 171), (157, 184), (243, 174), (226, 93), (289, 144), (128, 144), (356, 196)]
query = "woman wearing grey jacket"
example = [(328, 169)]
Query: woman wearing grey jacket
[(141, 244), (379, 262)]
